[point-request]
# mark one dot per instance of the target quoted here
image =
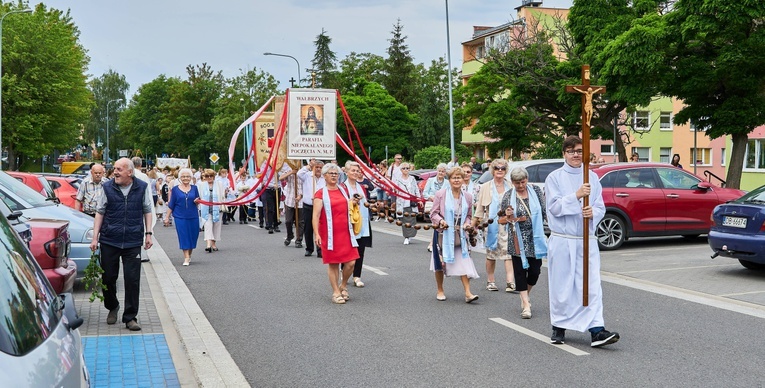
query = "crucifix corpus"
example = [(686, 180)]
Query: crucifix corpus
[(586, 90)]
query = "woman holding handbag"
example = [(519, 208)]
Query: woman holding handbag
[(333, 232), (211, 191), (451, 215), (364, 237)]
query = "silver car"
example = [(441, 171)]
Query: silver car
[(19, 196), (40, 345)]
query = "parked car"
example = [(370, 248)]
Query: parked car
[(40, 345), (36, 182), (738, 229), (18, 196), (538, 170), (14, 217), (50, 246), (655, 199), (65, 188), (65, 158)]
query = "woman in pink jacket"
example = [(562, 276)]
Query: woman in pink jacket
[(451, 215)]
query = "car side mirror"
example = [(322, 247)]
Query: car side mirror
[(704, 186)]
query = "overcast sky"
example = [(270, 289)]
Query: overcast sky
[(143, 39)]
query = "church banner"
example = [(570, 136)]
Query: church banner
[(312, 124)]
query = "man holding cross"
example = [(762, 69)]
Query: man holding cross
[(565, 190)]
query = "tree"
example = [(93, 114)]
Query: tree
[(241, 96), (400, 72), (324, 62), (380, 119), (433, 107), (110, 86), (707, 53), (45, 98), (139, 122), (364, 66), (188, 115)]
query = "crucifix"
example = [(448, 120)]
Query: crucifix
[(586, 90), (509, 218), (292, 82)]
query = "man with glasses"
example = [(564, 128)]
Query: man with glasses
[(564, 190), (89, 191)]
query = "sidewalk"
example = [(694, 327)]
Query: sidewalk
[(177, 346)]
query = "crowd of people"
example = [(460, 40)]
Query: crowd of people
[(327, 210)]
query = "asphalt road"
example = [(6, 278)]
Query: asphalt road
[(685, 319)]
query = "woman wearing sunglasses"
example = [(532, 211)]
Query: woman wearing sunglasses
[(489, 198)]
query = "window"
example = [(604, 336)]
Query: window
[(701, 157), (479, 52), (675, 178), (641, 121), (665, 155), (606, 149), (644, 153), (755, 154), (722, 156), (665, 121)]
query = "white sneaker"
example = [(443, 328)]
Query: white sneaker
[(406, 241)]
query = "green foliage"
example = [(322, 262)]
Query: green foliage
[(380, 119), (433, 108), (355, 68), (430, 157), (110, 86), (45, 98), (400, 71), (139, 122), (94, 278), (324, 62)]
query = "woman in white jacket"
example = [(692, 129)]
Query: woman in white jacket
[(211, 191)]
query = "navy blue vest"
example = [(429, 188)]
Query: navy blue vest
[(123, 219)]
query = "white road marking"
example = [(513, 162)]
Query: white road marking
[(538, 336), (742, 293), (637, 252), (720, 302), (373, 269), (255, 227), (679, 268)]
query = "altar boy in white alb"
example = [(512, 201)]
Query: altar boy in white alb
[(564, 190)]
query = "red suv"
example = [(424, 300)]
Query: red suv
[(50, 246), (655, 199)]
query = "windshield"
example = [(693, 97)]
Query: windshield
[(29, 309), (16, 190), (756, 195)]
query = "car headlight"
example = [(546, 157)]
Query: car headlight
[(89, 235)]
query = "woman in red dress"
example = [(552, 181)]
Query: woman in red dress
[(333, 232)]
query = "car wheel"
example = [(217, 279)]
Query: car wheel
[(611, 232), (752, 265)]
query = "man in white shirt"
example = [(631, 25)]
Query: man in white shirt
[(271, 186), (292, 206), (137, 173), (310, 181)]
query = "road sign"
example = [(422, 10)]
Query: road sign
[(214, 158)]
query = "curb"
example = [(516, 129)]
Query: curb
[(211, 363)]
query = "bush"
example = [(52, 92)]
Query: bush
[(430, 157)]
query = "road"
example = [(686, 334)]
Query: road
[(685, 319)]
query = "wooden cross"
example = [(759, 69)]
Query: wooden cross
[(514, 224), (292, 82), (586, 90)]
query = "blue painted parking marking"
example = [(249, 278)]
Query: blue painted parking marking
[(130, 361)]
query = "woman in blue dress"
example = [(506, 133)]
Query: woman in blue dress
[(183, 206)]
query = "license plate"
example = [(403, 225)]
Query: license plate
[(734, 222)]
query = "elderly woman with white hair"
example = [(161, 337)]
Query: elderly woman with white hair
[(183, 206), (333, 232), (486, 208), (405, 206), (434, 184), (523, 208)]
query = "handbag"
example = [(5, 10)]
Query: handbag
[(355, 214)]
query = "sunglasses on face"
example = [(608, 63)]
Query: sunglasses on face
[(404, 168), (500, 168)]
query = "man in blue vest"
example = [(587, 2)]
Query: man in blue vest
[(123, 213)]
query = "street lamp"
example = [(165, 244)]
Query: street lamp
[(1, 78), (107, 127), (449, 73), (288, 56)]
